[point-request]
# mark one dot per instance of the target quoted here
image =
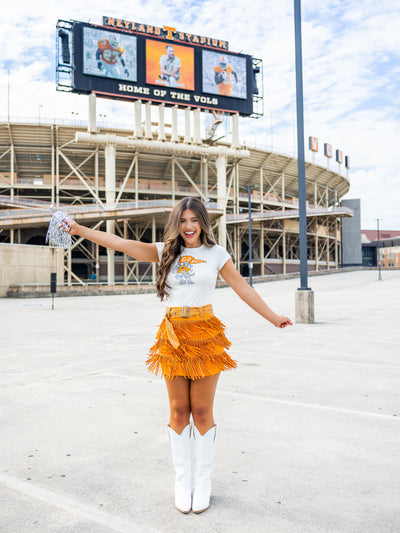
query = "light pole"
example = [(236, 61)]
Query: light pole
[(378, 254), (304, 295), (39, 108), (250, 240)]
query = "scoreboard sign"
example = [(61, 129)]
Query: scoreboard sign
[(126, 60)]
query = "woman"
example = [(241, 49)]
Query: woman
[(190, 348)]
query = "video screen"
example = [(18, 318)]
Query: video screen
[(109, 54), (224, 74), (169, 65)]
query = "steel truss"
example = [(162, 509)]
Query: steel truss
[(45, 163)]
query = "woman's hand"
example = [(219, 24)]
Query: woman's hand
[(282, 321), (70, 226)]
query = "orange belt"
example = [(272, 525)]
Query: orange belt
[(183, 312)]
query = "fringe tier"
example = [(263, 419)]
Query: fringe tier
[(201, 351)]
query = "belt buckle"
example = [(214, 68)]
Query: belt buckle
[(183, 315)]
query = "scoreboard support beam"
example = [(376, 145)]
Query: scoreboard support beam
[(161, 123), (187, 125), (138, 119), (110, 153), (92, 114), (174, 129), (235, 130), (196, 126), (221, 197), (147, 124)]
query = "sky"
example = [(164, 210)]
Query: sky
[(351, 71)]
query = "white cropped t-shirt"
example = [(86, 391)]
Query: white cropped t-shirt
[(193, 275)]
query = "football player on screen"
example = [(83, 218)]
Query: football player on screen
[(223, 77), (109, 52)]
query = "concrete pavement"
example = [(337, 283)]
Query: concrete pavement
[(308, 434)]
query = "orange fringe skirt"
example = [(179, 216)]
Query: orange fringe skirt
[(195, 349)]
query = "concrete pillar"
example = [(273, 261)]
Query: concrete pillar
[(196, 126), (110, 152), (304, 307), (92, 114), (284, 251), (125, 255), (57, 177), (97, 266), (239, 249), (221, 198), (161, 123), (205, 177), (137, 180), (327, 249), (235, 246), (53, 199), (153, 239), (262, 252), (173, 178), (235, 130), (237, 198), (96, 171), (336, 244), (174, 128), (57, 184), (69, 267), (202, 174), (138, 119), (147, 124), (187, 138)]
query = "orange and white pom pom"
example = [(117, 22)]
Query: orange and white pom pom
[(57, 234)]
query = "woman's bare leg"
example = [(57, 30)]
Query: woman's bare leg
[(179, 402), (202, 393)]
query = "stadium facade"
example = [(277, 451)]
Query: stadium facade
[(127, 182)]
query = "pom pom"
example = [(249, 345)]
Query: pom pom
[(56, 236)]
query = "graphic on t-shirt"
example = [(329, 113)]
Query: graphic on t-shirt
[(183, 269)]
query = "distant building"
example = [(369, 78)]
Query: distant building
[(389, 246), (390, 257), (371, 235), (351, 235)]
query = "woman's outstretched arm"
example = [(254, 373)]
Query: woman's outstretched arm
[(250, 296), (142, 251)]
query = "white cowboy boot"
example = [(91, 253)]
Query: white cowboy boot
[(204, 459), (180, 447)]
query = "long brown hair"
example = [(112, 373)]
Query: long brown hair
[(173, 242)]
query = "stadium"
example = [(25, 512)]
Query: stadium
[(125, 180), (130, 189)]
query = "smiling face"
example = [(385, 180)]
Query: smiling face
[(190, 229)]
